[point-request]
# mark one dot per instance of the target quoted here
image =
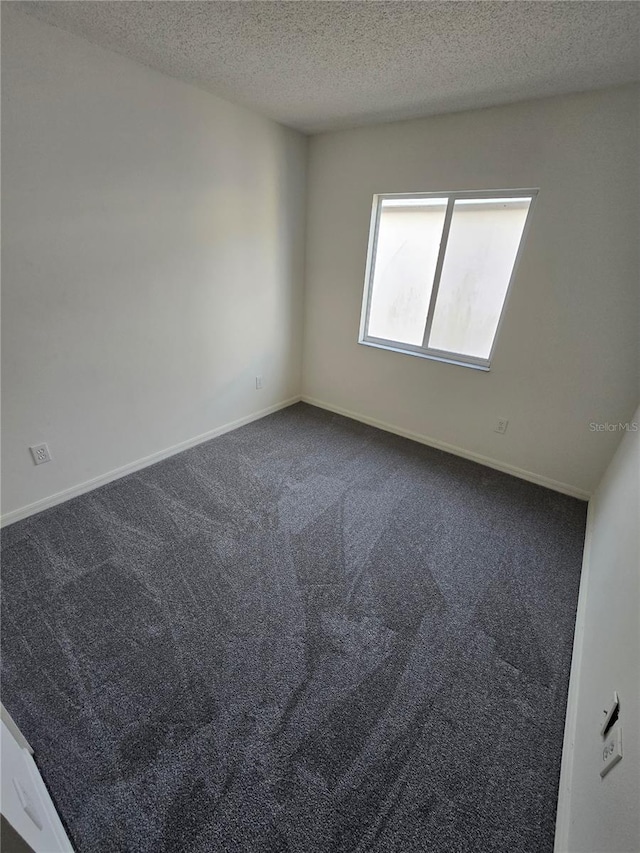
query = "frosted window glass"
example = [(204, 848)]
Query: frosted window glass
[(409, 234), (481, 251)]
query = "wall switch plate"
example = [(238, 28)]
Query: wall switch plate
[(611, 715), (258, 383), (501, 425), (611, 751), (40, 453)]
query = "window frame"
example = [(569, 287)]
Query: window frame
[(423, 351)]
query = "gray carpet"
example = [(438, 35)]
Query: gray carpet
[(306, 635)]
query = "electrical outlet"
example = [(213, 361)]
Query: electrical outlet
[(611, 751), (258, 383), (40, 453), (501, 425)]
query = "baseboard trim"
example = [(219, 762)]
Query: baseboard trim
[(137, 465), (539, 479), (131, 467), (563, 814)]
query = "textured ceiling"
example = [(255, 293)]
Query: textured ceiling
[(321, 65)]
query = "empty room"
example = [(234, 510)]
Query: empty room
[(320, 427)]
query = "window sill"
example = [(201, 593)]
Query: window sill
[(421, 354)]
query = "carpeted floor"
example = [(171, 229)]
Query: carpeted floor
[(306, 635)]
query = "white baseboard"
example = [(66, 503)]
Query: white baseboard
[(563, 815), (17, 735), (564, 488), (103, 479), (116, 473)]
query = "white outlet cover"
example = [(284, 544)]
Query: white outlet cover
[(501, 425), (40, 453), (611, 750)]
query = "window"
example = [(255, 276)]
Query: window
[(439, 270)]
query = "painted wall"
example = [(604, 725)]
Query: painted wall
[(152, 260), (601, 815), (567, 354)]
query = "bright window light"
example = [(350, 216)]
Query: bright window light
[(439, 271)]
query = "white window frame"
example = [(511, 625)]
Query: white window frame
[(424, 351)]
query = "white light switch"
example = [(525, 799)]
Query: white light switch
[(609, 720)]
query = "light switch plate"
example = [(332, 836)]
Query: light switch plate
[(609, 714)]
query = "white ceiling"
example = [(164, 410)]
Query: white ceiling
[(321, 65)]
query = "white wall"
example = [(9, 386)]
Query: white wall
[(568, 350), (602, 815), (152, 260)]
